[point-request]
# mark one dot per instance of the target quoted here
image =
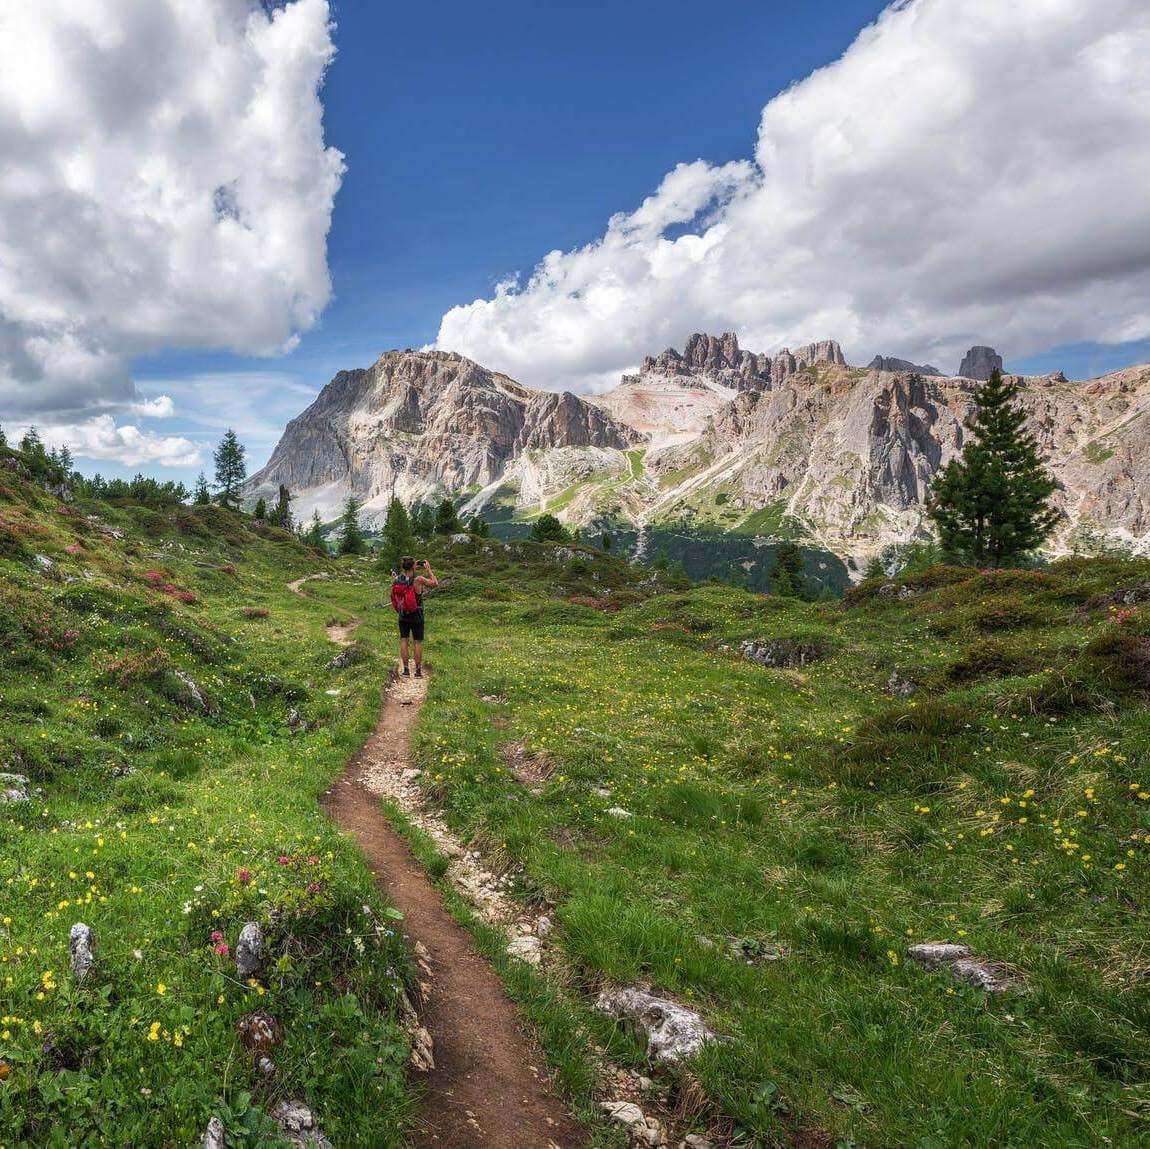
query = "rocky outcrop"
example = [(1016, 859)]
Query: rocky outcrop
[(420, 425), (887, 363), (980, 363)]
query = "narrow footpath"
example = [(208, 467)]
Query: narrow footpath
[(489, 1087)]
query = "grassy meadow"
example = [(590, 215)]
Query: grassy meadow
[(168, 699), (793, 831)]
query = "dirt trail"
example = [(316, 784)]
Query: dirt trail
[(488, 1089)]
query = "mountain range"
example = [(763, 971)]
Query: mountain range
[(713, 440)]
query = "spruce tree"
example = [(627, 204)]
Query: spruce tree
[(281, 515), (398, 539), (548, 529), (261, 511), (787, 573), (314, 534), (992, 504), (446, 518), (201, 496), (231, 470), (351, 540), (423, 521), (606, 542)]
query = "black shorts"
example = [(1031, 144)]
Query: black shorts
[(411, 624)]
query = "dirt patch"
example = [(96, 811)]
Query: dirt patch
[(488, 1089), (532, 768)]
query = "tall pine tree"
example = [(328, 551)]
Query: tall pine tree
[(231, 470), (201, 496), (992, 504), (351, 540), (398, 539), (314, 534), (787, 576), (423, 521), (447, 518), (281, 515)]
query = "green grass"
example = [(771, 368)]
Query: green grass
[(812, 811), (159, 824)]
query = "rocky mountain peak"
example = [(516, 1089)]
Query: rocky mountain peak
[(980, 363), (889, 363)]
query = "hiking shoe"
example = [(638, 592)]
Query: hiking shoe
[(419, 672), (407, 673)]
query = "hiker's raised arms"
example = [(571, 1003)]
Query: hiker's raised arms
[(428, 577)]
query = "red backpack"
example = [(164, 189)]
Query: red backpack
[(404, 600)]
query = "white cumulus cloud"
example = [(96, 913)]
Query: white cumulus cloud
[(100, 437), (164, 183), (969, 171)]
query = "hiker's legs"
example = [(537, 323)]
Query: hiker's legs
[(418, 654), (403, 651)]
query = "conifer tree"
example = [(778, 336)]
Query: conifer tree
[(606, 542), (423, 521), (314, 534), (548, 529), (281, 515), (992, 504), (787, 573), (351, 540), (398, 539), (231, 470), (446, 518), (201, 496), (261, 511)]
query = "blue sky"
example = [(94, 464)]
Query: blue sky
[(478, 138)]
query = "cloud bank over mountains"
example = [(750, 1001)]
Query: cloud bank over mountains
[(165, 184), (969, 171)]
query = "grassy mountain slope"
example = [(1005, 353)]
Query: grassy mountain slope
[(795, 830), (150, 665)]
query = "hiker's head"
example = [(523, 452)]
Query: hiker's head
[(407, 564)]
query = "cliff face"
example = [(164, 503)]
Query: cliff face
[(421, 424), (728, 438)]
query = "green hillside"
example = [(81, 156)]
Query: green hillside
[(958, 756)]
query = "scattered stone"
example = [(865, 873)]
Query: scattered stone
[(894, 590), (214, 1135), (526, 948), (935, 955), (645, 1130), (673, 1032), (900, 686), (601, 792), (349, 656), (986, 976), (783, 653), (82, 943), (299, 1125), (187, 692), (619, 812), (543, 927), (422, 1050), (461, 538), (250, 951), (14, 788), (697, 1141), (259, 1031), (265, 1066), (296, 722)]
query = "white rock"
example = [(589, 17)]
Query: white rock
[(619, 812), (625, 1112), (981, 975), (14, 788), (299, 1125), (601, 792), (213, 1137), (250, 951), (526, 948), (935, 955), (673, 1032), (697, 1141), (422, 1050), (461, 538), (82, 943)]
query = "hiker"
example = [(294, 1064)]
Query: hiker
[(407, 601)]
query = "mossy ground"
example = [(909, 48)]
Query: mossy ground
[(160, 824), (1005, 805)]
